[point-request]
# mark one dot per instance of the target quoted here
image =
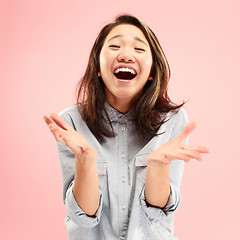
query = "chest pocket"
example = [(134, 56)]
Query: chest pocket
[(102, 168), (102, 178), (141, 168)]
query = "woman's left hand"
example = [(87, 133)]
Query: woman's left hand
[(175, 149)]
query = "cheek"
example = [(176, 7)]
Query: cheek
[(147, 65), (105, 61), (102, 61)]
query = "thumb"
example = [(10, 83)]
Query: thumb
[(188, 129)]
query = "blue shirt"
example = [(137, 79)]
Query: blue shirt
[(123, 212)]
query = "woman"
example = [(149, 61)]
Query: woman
[(122, 146)]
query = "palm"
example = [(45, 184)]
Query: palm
[(65, 134)]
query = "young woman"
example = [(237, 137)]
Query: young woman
[(122, 147)]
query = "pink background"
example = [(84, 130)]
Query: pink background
[(44, 49)]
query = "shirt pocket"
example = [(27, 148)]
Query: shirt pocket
[(102, 177), (102, 168), (141, 168)]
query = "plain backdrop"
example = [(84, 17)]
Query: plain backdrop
[(45, 45)]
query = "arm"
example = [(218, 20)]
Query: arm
[(157, 187), (85, 189)]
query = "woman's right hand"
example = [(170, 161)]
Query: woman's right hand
[(63, 133)]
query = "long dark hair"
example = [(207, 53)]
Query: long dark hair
[(148, 109)]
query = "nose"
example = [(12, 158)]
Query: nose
[(125, 56)]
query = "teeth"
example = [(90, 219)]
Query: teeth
[(125, 70)]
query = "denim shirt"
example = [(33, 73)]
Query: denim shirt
[(123, 212)]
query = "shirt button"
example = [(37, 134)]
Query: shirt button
[(123, 128), (124, 233), (123, 179), (123, 155), (123, 207)]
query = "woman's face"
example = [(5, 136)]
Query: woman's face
[(125, 64)]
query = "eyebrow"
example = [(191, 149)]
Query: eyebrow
[(136, 38)]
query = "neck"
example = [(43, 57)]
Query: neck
[(120, 106)]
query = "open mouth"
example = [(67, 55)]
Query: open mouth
[(125, 73)]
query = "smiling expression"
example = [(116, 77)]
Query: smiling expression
[(125, 64)]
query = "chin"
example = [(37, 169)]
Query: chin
[(124, 96)]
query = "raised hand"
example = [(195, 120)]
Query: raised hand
[(175, 149), (63, 133)]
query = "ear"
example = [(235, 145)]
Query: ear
[(150, 78), (99, 74)]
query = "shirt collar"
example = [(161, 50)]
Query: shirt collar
[(116, 116)]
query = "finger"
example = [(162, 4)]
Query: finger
[(55, 131), (59, 121), (48, 120), (51, 124), (186, 131), (199, 149), (178, 155), (191, 154)]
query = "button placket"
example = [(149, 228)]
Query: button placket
[(123, 171)]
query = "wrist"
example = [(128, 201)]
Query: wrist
[(157, 159), (87, 156), (161, 162)]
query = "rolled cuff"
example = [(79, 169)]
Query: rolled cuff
[(156, 213), (77, 215)]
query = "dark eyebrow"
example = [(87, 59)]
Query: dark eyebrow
[(136, 38)]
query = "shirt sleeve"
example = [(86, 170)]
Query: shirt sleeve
[(67, 161), (77, 215), (175, 177)]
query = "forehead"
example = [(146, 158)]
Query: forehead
[(126, 31)]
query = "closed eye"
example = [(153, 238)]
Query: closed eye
[(118, 47), (114, 46), (140, 49)]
